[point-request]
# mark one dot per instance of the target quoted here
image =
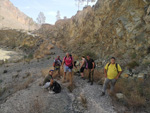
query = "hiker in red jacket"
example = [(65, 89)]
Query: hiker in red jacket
[(69, 65)]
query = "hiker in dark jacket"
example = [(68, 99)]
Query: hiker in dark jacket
[(112, 72), (57, 63), (91, 66)]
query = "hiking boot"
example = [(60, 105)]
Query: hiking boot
[(83, 78), (51, 92), (91, 83), (103, 93)]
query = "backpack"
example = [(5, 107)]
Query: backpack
[(116, 67), (86, 64), (94, 65), (57, 63), (56, 87), (71, 60), (70, 57)]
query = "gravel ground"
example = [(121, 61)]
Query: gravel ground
[(21, 98)]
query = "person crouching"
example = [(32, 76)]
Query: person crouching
[(48, 81)]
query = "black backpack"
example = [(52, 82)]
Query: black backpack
[(56, 87), (116, 67), (94, 65)]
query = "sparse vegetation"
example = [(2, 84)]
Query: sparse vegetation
[(36, 106), (148, 50), (83, 100), (133, 55), (25, 46), (49, 57), (25, 84), (98, 75), (132, 64), (1, 81), (137, 92), (90, 53), (28, 58), (71, 87), (2, 90)]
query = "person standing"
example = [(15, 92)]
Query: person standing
[(82, 67), (112, 72), (69, 65), (91, 66), (57, 63)]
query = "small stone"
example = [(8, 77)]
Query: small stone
[(5, 71), (120, 95)]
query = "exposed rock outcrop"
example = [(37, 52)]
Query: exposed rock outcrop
[(119, 28), (12, 17)]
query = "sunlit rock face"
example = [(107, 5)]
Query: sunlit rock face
[(119, 28), (12, 17)]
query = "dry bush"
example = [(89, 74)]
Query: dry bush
[(71, 87), (39, 56), (136, 100), (50, 46), (37, 106), (98, 75), (45, 71), (61, 71), (46, 52), (24, 85), (136, 92), (2, 90), (75, 57), (27, 75), (83, 100), (132, 64), (53, 42), (90, 53)]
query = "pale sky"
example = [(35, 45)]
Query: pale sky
[(48, 7)]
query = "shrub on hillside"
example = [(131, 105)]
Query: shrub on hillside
[(133, 55), (136, 92), (98, 75), (148, 50), (132, 64), (90, 53)]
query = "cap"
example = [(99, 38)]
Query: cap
[(51, 70)]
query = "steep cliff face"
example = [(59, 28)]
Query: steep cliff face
[(119, 28), (12, 17)]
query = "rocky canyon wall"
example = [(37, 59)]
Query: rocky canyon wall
[(12, 18)]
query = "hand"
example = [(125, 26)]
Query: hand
[(105, 76), (92, 69), (117, 78)]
